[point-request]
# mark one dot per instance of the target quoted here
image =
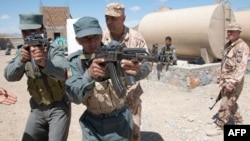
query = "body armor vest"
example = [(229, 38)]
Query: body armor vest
[(44, 90)]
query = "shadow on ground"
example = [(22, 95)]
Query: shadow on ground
[(150, 136), (230, 122)]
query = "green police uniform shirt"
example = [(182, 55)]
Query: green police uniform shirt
[(54, 75), (56, 65)]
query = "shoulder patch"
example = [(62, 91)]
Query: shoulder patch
[(239, 53), (69, 72)]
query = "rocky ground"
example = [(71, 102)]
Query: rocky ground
[(169, 113)]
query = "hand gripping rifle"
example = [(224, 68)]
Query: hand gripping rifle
[(114, 52), (37, 40)]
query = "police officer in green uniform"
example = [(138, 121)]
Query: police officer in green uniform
[(106, 117), (45, 67)]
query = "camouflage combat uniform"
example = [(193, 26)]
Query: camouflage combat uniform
[(131, 38), (233, 67)]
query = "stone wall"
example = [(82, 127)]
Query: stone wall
[(186, 76)]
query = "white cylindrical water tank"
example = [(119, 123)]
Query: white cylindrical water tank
[(192, 29), (242, 17)]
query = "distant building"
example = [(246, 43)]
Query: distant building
[(13, 42), (55, 19)]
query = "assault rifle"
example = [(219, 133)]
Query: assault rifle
[(114, 52), (217, 99), (37, 40)]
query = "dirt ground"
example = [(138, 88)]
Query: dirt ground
[(168, 112)]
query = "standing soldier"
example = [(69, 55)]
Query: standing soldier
[(231, 78), (8, 48), (116, 30), (45, 67)]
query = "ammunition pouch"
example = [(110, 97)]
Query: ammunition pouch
[(44, 93), (44, 90)]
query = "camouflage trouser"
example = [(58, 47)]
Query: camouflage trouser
[(229, 107), (134, 103), (137, 121)]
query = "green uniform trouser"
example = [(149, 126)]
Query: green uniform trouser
[(48, 122), (116, 126)]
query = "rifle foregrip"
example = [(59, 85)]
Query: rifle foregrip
[(116, 80)]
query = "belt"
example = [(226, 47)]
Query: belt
[(34, 104), (106, 115)]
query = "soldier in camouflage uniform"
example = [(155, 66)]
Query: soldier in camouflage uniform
[(45, 68), (231, 78), (117, 31)]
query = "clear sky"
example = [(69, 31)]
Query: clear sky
[(135, 9)]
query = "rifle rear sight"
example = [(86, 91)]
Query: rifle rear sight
[(37, 40)]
